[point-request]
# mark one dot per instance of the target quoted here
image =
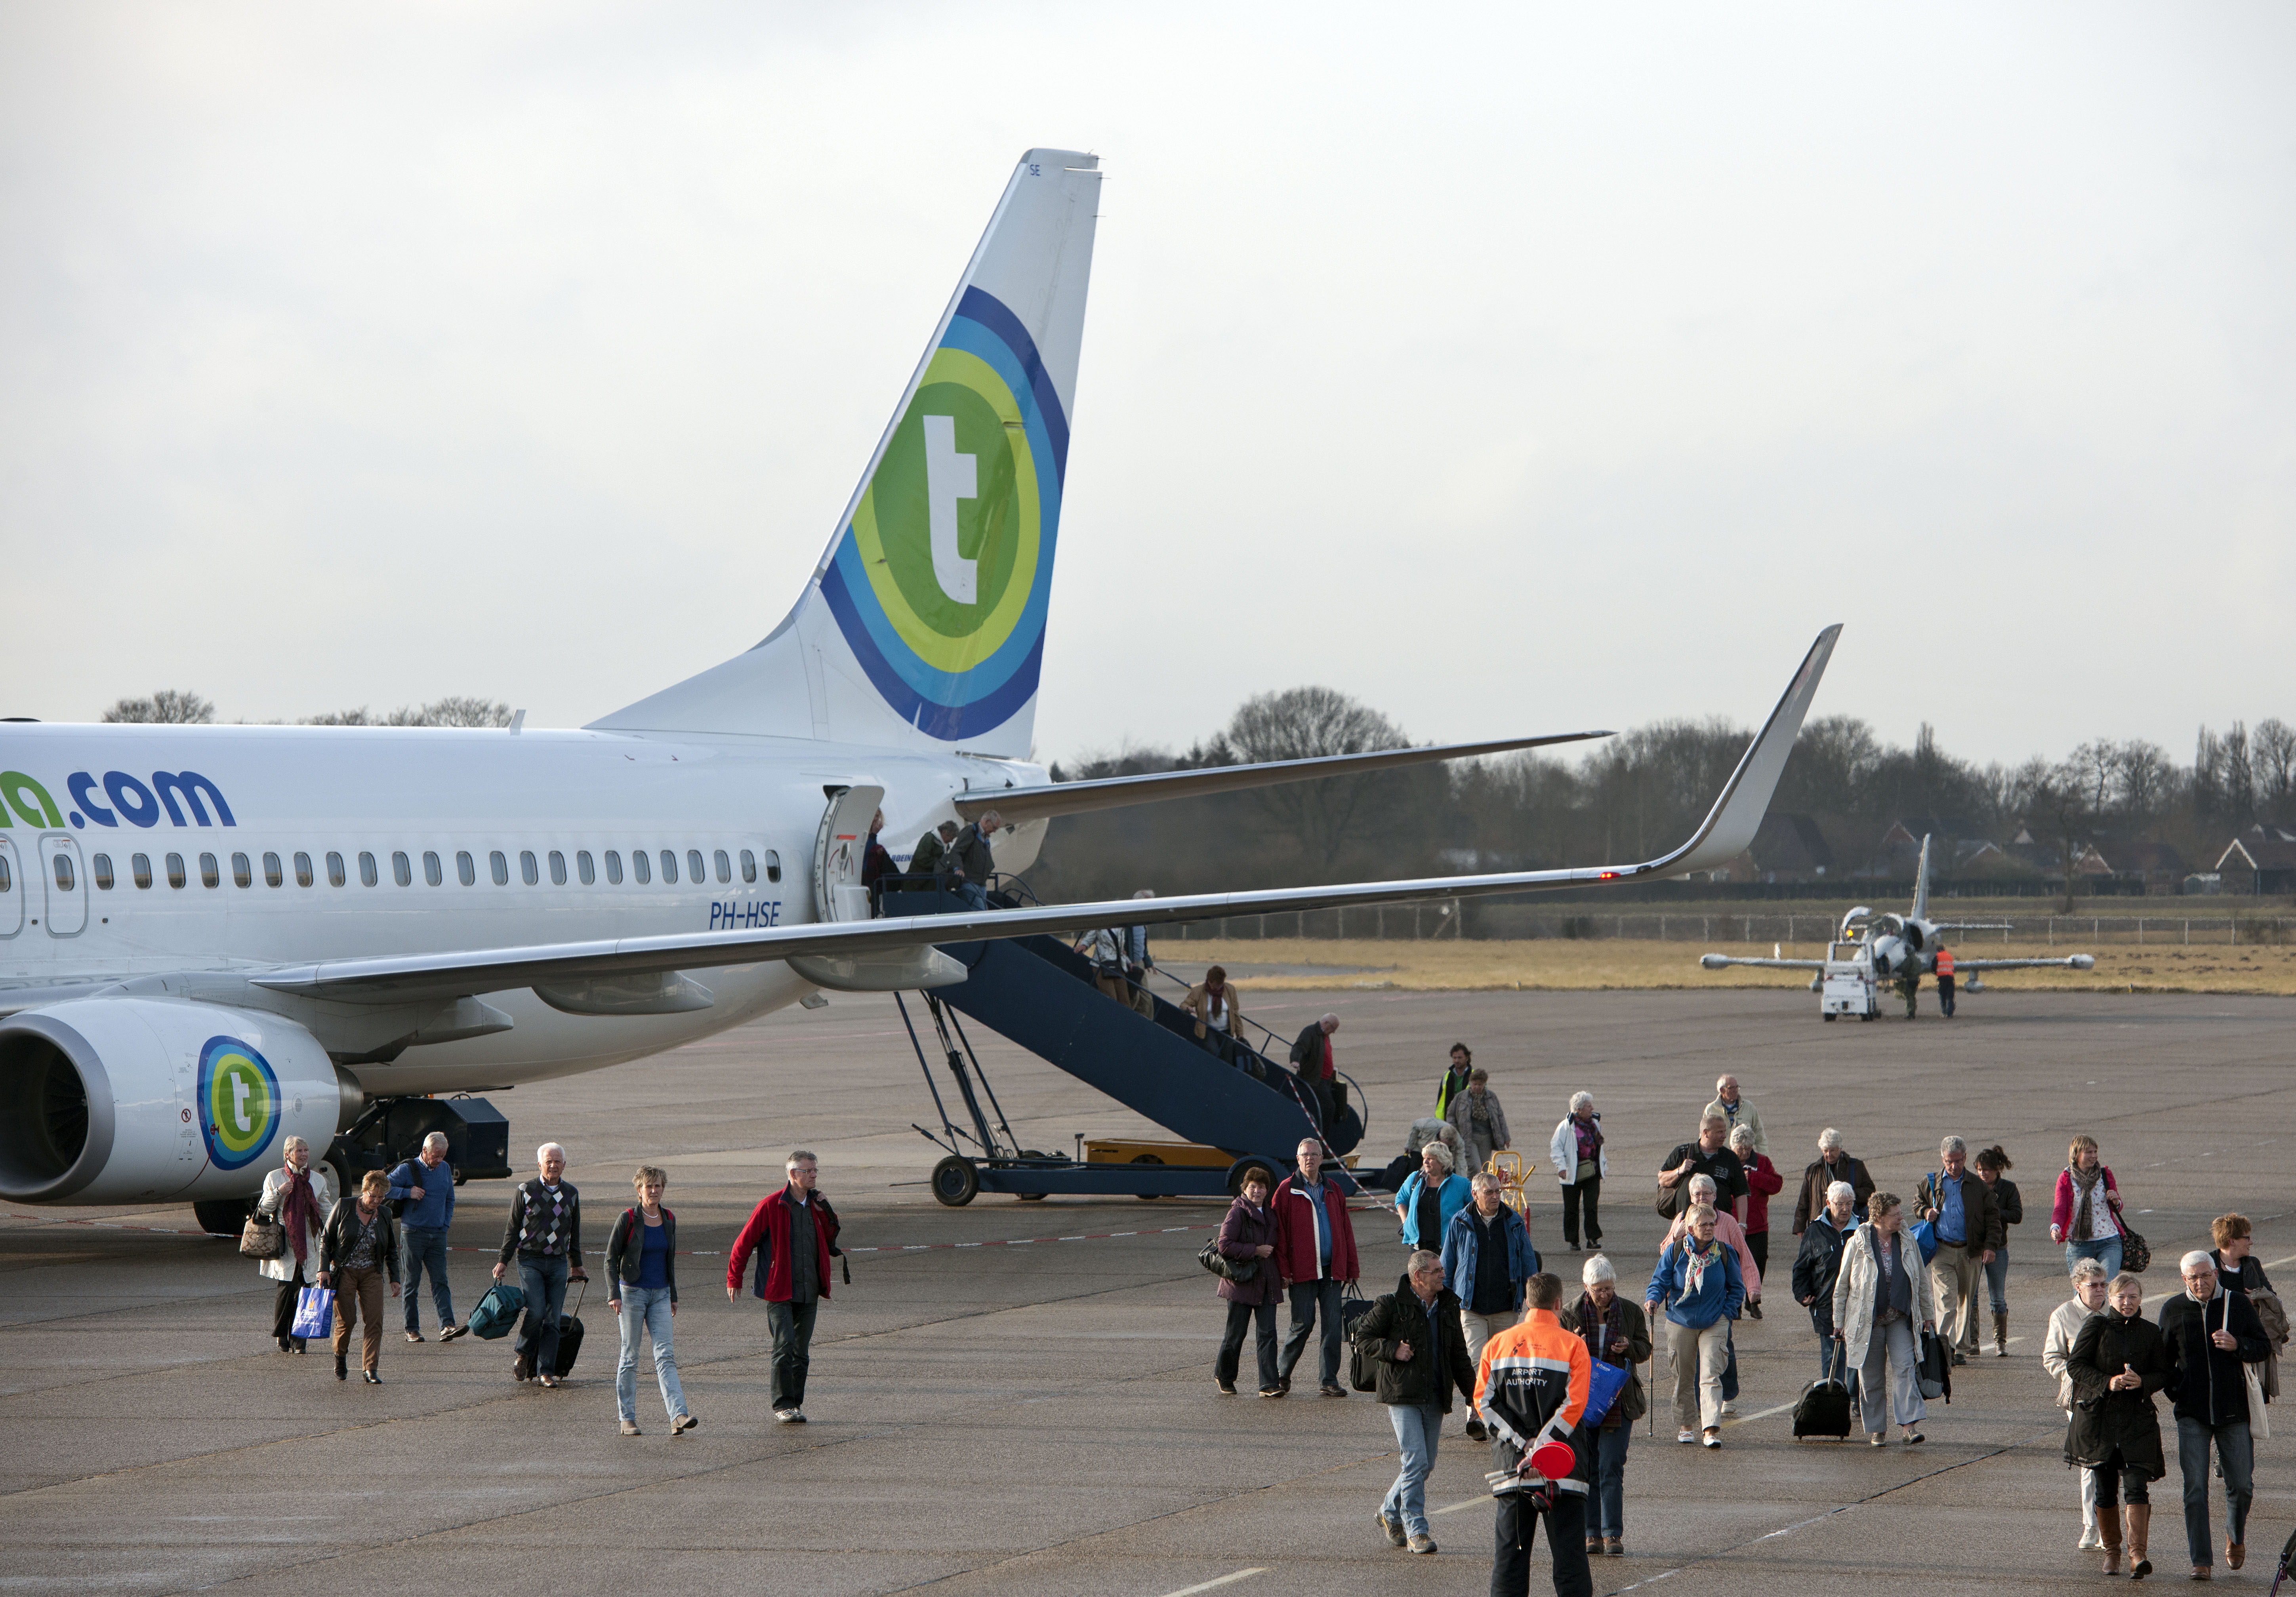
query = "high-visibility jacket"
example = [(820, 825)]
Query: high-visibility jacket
[(1531, 1386), (1944, 961)]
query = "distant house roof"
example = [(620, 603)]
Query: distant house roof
[(1790, 843), (2257, 849), (1913, 829), (2144, 859)]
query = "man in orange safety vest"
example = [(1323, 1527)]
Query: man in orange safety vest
[(1944, 971)]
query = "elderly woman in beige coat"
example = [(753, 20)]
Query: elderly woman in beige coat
[(299, 1195), (1481, 1122), (1882, 1302)]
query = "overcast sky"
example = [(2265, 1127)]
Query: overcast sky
[(1514, 371)]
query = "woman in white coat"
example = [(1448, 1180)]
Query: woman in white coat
[(1882, 1302), (1580, 1162), (299, 1196)]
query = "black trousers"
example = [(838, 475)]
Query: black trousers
[(791, 1324), (1566, 1545), (1241, 1316), (1582, 1194), (282, 1304), (1758, 1243), (1945, 995)]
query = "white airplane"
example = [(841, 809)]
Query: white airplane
[(213, 937), (1870, 949)]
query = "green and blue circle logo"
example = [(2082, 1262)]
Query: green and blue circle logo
[(941, 581), (239, 1103)]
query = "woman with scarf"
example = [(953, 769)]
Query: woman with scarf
[(2086, 1217), (1579, 1165), (1699, 1282), (1616, 1331), (298, 1197), (1881, 1295), (1216, 1007), (2119, 1361)]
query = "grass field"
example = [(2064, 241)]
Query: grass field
[(1558, 964)]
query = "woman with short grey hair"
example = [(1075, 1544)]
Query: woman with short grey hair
[(1430, 1196), (1580, 1163), (2088, 1282), (1616, 1331)]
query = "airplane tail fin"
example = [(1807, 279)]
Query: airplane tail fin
[(923, 623), (1921, 910)]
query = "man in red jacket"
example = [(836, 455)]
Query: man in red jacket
[(1315, 1253), (793, 1233)]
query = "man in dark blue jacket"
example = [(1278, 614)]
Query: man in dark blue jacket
[(2211, 1336), (423, 1187), (1486, 1257)]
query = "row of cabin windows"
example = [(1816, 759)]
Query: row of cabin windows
[(698, 869)]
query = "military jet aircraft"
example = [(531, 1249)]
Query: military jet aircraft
[(1870, 950)]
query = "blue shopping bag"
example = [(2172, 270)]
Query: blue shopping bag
[(1605, 1382), (315, 1313)]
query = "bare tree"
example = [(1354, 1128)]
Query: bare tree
[(1302, 724), (2061, 812), (2273, 752), (170, 707), (453, 710), (2143, 778), (2239, 776)]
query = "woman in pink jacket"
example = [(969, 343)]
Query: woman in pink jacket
[(2087, 1217)]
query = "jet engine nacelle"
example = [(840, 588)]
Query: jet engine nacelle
[(125, 1099)]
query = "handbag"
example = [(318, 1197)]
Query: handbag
[(1211, 1259), (2256, 1424), (2135, 1252), (262, 1237), (315, 1313), (1934, 1369)]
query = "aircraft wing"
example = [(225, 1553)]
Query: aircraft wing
[(1728, 827), (1114, 792), (2074, 962), (1715, 962)]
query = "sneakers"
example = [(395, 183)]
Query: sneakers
[(1284, 1385), (1712, 1438), (1422, 1543), (1729, 1411), (630, 1428), (1392, 1526), (370, 1377), (1271, 1392), (682, 1424), (452, 1331), (1330, 1388), (413, 1336), (1685, 1434), (1226, 1389), (2089, 1538), (790, 1416)]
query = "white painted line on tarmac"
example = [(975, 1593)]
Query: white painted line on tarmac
[(1207, 1585), (1454, 1508)]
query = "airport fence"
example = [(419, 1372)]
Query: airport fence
[(1410, 921)]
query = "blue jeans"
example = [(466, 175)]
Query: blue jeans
[(645, 1310), (1821, 1321), (974, 893), (1997, 1279), (419, 1247), (1308, 1297), (543, 1275), (2236, 1456), (1607, 1504), (2106, 1253), (1418, 1428), (791, 1324)]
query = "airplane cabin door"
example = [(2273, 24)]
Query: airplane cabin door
[(67, 885), (837, 849), (13, 888)]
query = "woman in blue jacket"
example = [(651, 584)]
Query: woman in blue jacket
[(1430, 1196), (1701, 1289)]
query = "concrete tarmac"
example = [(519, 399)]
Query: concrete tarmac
[(1017, 1397)]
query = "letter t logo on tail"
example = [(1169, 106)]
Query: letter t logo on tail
[(949, 476)]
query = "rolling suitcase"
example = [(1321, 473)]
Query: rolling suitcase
[(1824, 1410), (569, 1335), (497, 1312)]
